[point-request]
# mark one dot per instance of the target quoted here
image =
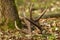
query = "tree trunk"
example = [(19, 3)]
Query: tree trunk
[(10, 13)]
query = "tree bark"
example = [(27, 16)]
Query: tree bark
[(9, 11)]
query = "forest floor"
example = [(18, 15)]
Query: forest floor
[(51, 31)]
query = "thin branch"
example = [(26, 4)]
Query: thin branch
[(41, 15), (32, 22)]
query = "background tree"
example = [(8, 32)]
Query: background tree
[(10, 13)]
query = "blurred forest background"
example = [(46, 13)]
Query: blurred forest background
[(30, 19)]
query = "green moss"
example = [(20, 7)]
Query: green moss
[(11, 25), (19, 24)]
